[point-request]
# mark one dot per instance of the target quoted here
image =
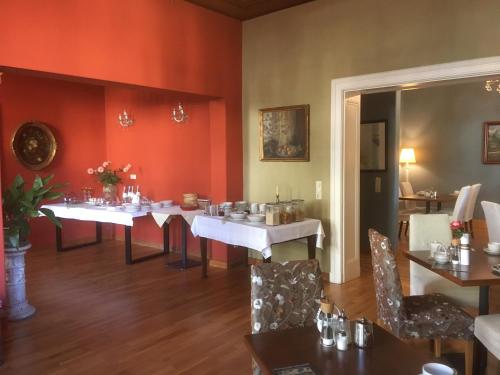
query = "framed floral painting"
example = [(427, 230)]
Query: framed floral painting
[(284, 133), (491, 142)]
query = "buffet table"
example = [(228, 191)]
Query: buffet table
[(257, 236), (163, 217), (100, 214)]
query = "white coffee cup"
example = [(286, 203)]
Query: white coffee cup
[(494, 246), (437, 369)]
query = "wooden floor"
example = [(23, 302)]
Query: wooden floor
[(96, 315)]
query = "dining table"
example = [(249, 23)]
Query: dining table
[(257, 236), (439, 199), (478, 273), (277, 350), (99, 215)]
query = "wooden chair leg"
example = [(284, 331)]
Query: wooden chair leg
[(400, 229), (437, 347), (469, 351), (406, 229), (471, 230)]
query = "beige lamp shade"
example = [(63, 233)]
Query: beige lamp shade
[(407, 156)]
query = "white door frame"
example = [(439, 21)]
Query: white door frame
[(340, 144)]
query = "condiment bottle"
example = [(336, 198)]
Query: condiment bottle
[(465, 249)]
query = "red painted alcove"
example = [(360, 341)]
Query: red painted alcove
[(172, 46)]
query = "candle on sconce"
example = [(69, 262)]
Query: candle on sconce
[(277, 190)]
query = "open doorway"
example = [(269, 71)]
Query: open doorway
[(345, 155)]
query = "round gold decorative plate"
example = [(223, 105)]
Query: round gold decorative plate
[(34, 145)]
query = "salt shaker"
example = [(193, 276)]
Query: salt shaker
[(344, 325), (342, 340), (363, 333)]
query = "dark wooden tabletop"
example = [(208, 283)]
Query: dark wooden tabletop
[(389, 355), (478, 273), (422, 198)]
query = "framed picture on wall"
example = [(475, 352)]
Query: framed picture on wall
[(373, 146), (284, 133), (491, 142)]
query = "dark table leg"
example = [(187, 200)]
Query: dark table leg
[(311, 246), (128, 249), (480, 352), (204, 259), (439, 206), (128, 244), (185, 262), (427, 207), (98, 239), (166, 238)]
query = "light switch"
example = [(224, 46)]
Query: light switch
[(133, 177), (318, 190), (378, 184)]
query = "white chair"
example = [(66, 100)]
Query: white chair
[(471, 205), (458, 212), (492, 215), (423, 230), (487, 330), (407, 189)]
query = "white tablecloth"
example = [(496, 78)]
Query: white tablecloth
[(255, 236), (166, 214), (93, 213)]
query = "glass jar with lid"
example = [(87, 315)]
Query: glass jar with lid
[(287, 213), (299, 209), (273, 211)]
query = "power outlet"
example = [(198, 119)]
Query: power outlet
[(319, 190), (133, 177)]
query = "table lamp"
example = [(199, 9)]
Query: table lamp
[(407, 156)]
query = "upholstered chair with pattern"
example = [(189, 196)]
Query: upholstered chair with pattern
[(430, 316), (284, 295)]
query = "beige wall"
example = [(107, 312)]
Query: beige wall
[(290, 57)]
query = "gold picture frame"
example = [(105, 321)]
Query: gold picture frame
[(284, 133), (34, 145), (491, 142)]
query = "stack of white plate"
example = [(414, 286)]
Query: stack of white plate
[(132, 208), (167, 203), (156, 205)]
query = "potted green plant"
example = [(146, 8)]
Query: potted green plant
[(20, 205)]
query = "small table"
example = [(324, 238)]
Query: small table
[(389, 355), (163, 217), (440, 199), (257, 236), (478, 273), (100, 214)]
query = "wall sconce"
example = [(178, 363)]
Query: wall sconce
[(407, 156), (125, 120), (178, 114), (491, 83)]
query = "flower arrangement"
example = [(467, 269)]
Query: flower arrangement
[(457, 229), (106, 175)]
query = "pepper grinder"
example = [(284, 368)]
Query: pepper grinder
[(328, 325)]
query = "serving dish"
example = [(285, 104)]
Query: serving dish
[(238, 215)]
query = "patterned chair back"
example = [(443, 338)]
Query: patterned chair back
[(390, 309), (285, 295)]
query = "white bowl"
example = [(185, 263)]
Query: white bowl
[(494, 247), (238, 215), (441, 259), (156, 205), (167, 203), (256, 218), (437, 369)]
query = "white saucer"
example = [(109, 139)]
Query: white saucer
[(489, 252)]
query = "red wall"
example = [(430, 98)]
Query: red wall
[(75, 113), (168, 159), (171, 45)]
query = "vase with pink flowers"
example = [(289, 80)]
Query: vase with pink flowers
[(457, 230), (109, 178)]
